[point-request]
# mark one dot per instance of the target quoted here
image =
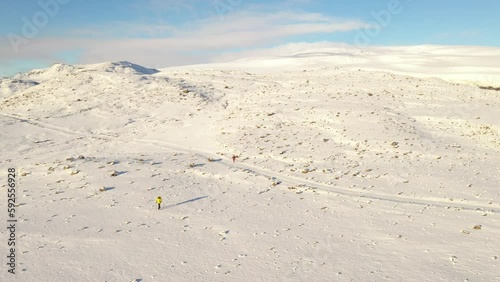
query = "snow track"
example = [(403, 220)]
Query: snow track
[(283, 179), (295, 181)]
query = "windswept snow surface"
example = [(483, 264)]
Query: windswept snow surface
[(344, 173)]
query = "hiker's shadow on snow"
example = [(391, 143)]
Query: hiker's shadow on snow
[(192, 200), (104, 189), (118, 173), (186, 202)]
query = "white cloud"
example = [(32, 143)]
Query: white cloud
[(164, 45), (122, 29)]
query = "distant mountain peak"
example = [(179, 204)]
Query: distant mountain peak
[(126, 67)]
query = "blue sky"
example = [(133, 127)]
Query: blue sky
[(161, 33)]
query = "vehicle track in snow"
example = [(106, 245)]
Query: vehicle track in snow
[(277, 177), (296, 181)]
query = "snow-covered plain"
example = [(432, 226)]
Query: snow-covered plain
[(347, 170)]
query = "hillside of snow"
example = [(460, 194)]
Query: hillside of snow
[(471, 65), (344, 173)]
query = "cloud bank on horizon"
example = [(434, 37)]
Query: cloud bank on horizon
[(158, 33)]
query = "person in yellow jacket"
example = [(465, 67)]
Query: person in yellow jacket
[(158, 201)]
